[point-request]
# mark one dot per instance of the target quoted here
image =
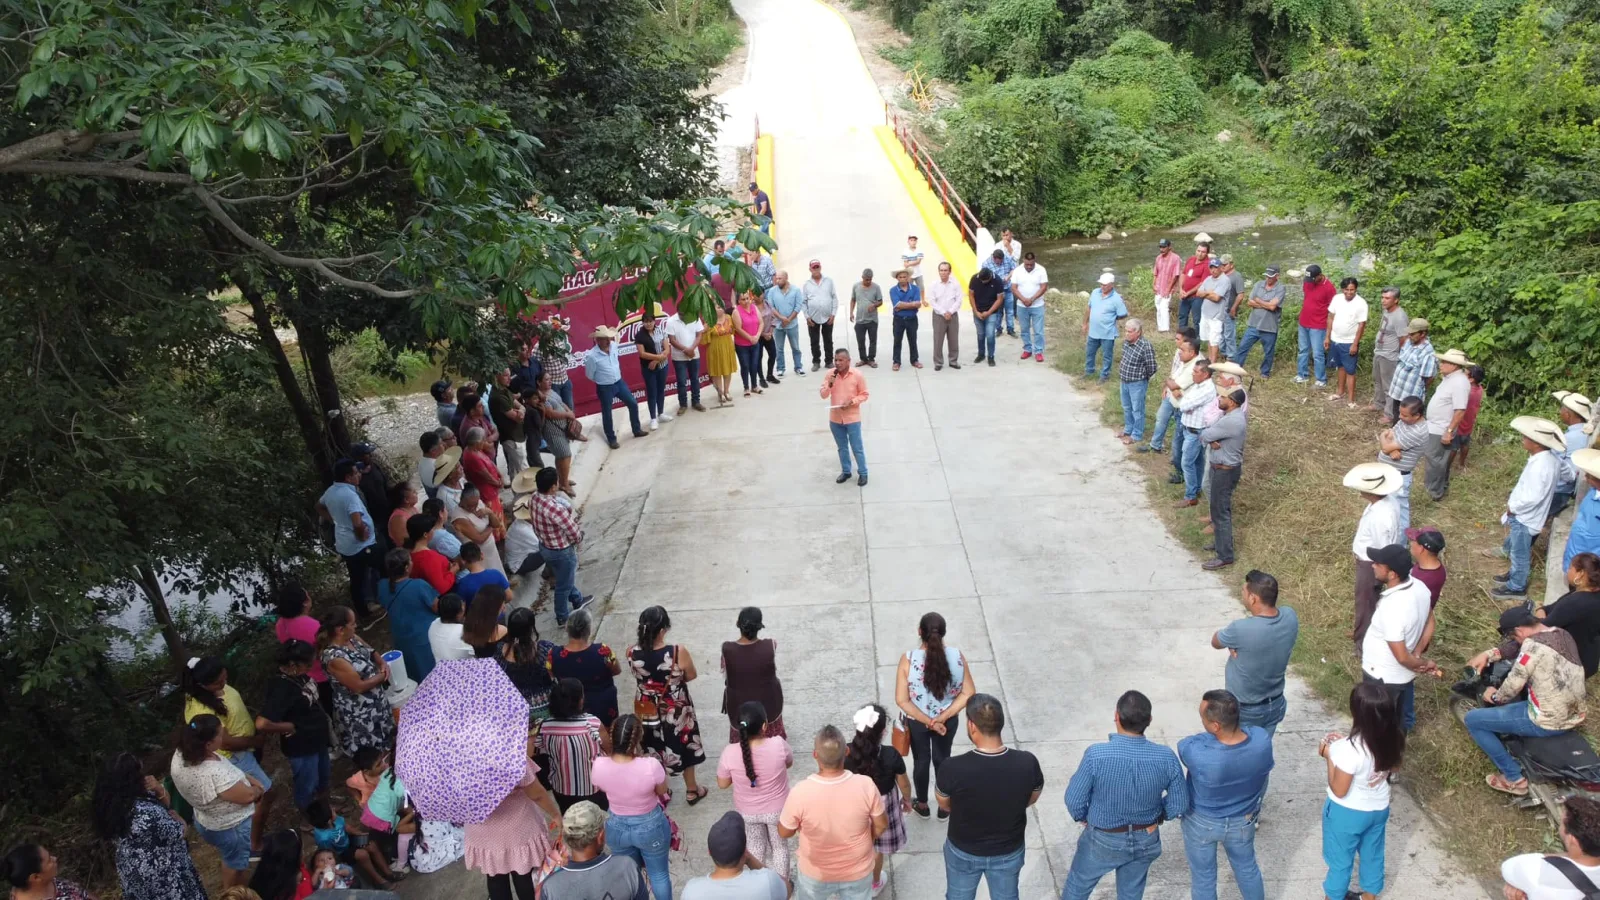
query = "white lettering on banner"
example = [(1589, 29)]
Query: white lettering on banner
[(587, 278)]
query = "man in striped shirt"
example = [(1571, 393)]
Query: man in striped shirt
[(559, 536)]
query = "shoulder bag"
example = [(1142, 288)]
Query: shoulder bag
[(1575, 875)]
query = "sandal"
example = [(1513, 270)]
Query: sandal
[(698, 795), (1498, 782)]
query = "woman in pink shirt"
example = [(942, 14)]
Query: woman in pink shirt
[(636, 787), (747, 341), (296, 623), (757, 768)]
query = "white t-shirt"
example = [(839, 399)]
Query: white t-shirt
[(1538, 879), (1027, 282), (687, 334), (425, 466), (1369, 789), (520, 541), (202, 786), (1451, 394), (1344, 316), (445, 639), (1401, 615), (1379, 526)]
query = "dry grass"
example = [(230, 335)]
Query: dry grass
[(1295, 520)]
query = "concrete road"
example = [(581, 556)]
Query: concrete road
[(996, 498)]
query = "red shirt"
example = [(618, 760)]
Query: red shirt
[(432, 566), (1196, 269), (482, 472), (1469, 416), (1314, 311)]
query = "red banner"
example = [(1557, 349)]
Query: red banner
[(598, 307)]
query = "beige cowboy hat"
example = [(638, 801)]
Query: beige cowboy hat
[(445, 464), (1574, 401), (1417, 324), (1228, 368), (1588, 461), (604, 331), (525, 482), (522, 509), (1454, 357), (1374, 478), (898, 272), (1541, 431), (1203, 238)]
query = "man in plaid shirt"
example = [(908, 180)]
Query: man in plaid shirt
[(556, 527), (1001, 265), (1137, 367), (1416, 367)]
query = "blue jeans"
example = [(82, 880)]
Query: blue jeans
[(1347, 832), (1237, 835), (1518, 546), (1405, 500), (1030, 321), (609, 394), (1166, 414), (988, 329), (1133, 394), (1009, 313), (962, 872), (806, 888), (564, 391), (1194, 462), (688, 372), (646, 839), (790, 333), (1180, 437), (246, 762), (1091, 349), (1100, 853), (848, 439), (655, 390), (233, 844), (312, 775), (563, 565), (1230, 337), (1311, 348), (1488, 723), (1264, 715), (1186, 307), (749, 365), (1269, 347)]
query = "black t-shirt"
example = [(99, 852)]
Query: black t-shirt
[(1579, 613), (294, 700), (500, 403), (984, 294), (989, 794), (890, 765)]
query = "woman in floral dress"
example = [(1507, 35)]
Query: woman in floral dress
[(663, 672), (359, 675), (130, 809)]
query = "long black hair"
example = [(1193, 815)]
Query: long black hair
[(566, 699), (118, 787), (522, 636), (1376, 719), (936, 673), (193, 738), (752, 720), (22, 863), (200, 672), (626, 733), (277, 876), (652, 622), (289, 599), (864, 756)]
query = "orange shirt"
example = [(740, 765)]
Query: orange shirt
[(848, 391), (834, 817)]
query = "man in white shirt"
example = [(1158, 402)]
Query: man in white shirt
[(1028, 284), (911, 261), (685, 351), (1010, 246), (822, 304), (1529, 504), (1347, 319), (944, 296), (1379, 485), (1400, 625), (1575, 412), (1538, 876), (1195, 404)]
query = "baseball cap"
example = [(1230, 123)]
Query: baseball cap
[(1272, 270), (1107, 278), (1214, 263), (814, 264), (1429, 539), (439, 387), (362, 448), (1394, 556), (581, 823), (1519, 616), (752, 185), (1313, 270), (725, 841), (1163, 243), (1227, 258)]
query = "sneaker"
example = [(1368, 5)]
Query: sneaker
[(1505, 593), (1320, 385), (877, 886), (581, 602), (1299, 379), (799, 371), (1026, 354), (664, 417), (920, 809), (978, 359), (1039, 357), (654, 424), (1502, 578), (942, 814), (991, 360)]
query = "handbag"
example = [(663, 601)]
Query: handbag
[(1567, 867), (900, 737), (574, 429), (647, 711)]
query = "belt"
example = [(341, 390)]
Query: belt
[(1191, 430), (1273, 699), (1124, 829), (1222, 466)]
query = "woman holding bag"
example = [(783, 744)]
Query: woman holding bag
[(931, 687), (671, 728)]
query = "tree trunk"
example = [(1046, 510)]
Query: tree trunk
[(318, 353), (305, 415), (150, 585)]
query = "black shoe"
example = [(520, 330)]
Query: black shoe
[(955, 365), (773, 379), (920, 808), (937, 368), (1210, 546), (942, 813), (641, 434), (1211, 565), (1174, 479), (1503, 578), (862, 481), (1501, 593), (991, 360), (843, 477), (977, 359), (613, 445)]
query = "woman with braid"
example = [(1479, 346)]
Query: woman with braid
[(757, 768), (868, 755), (636, 787)]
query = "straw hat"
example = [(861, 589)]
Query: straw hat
[(445, 464), (1588, 461), (1541, 431), (1574, 401), (1374, 478), (525, 482), (1227, 368), (604, 331), (522, 509), (1454, 357)]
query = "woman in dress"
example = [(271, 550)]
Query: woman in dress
[(296, 623), (132, 811), (223, 797), (513, 843), (477, 462), (635, 784), (526, 661), (413, 606), (593, 665), (402, 506), (205, 682), (359, 674), (559, 419), (931, 687), (31, 871), (475, 521), (722, 360), (868, 755), (746, 321), (663, 672), (756, 766), (572, 740), (281, 874), (1356, 813), (750, 673), (475, 415)]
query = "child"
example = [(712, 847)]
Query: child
[(385, 810), (1469, 417), (328, 831), (327, 873)]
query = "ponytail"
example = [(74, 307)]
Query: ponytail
[(936, 673), (626, 733), (22, 863), (334, 619), (864, 756), (193, 738), (396, 563), (201, 671), (652, 622), (752, 723)]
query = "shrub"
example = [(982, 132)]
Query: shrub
[(1144, 82), (1206, 176), (1009, 37)]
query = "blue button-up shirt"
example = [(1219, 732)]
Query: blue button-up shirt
[(765, 271), (1104, 311), (1127, 781), (898, 295), (1585, 536), (602, 366), (1002, 269), (1227, 781), (341, 499), (786, 302)]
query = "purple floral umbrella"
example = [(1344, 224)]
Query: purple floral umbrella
[(463, 742)]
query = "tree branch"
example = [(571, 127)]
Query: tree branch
[(95, 170), (66, 140)]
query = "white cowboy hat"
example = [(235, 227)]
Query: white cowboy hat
[(445, 464), (1203, 238), (1574, 401), (1587, 460), (1454, 357), (1374, 478), (1541, 431), (1107, 278), (522, 509), (525, 482), (1227, 368), (604, 331)]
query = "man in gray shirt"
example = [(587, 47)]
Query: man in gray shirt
[(1234, 299), (591, 872), (1216, 294), (1226, 439), (1266, 308), (737, 876), (1386, 349), (822, 304), (1258, 652), (865, 298)]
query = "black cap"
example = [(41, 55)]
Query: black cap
[(725, 841), (752, 185), (1429, 539), (1394, 556), (1164, 243), (1519, 616), (439, 387), (1313, 270)]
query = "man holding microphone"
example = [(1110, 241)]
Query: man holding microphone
[(845, 390)]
